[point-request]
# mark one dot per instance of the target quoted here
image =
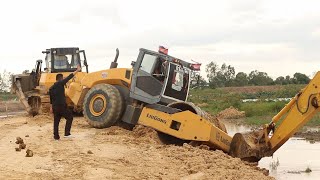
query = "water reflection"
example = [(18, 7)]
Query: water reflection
[(294, 157)]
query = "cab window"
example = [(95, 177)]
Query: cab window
[(68, 61), (148, 63)]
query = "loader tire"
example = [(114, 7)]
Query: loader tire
[(35, 105), (103, 106)]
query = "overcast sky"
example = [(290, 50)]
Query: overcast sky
[(277, 37)]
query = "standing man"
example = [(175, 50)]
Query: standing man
[(59, 105)]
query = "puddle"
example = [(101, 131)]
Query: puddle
[(294, 157)]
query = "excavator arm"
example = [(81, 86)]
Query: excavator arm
[(296, 114), (284, 125)]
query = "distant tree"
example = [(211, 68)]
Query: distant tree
[(288, 80), (211, 70), (5, 81), (241, 79), (220, 77), (280, 80), (202, 82), (258, 78), (299, 78), (225, 76), (229, 74), (198, 81)]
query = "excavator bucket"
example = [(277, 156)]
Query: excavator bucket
[(248, 147)]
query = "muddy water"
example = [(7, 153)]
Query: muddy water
[(294, 157)]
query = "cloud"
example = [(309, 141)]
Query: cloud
[(276, 37)]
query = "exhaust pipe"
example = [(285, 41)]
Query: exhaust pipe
[(114, 64)]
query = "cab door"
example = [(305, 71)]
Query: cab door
[(146, 87)]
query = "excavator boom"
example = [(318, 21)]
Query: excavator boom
[(284, 125)]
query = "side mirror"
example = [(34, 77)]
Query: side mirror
[(133, 63)]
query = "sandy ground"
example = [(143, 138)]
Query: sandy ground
[(10, 106), (111, 153)]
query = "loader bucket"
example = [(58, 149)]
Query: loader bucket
[(246, 147), (32, 103)]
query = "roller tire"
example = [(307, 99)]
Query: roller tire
[(113, 111)]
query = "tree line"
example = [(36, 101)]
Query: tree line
[(226, 76)]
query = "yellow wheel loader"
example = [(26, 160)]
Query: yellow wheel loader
[(32, 88), (154, 93)]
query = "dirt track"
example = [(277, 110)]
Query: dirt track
[(117, 154)]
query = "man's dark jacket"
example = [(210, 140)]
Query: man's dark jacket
[(56, 92)]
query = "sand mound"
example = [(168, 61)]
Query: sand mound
[(146, 134), (231, 113), (210, 164)]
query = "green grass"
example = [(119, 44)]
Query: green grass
[(7, 96), (257, 113), (315, 121), (218, 100), (257, 120), (286, 91), (265, 119), (262, 108)]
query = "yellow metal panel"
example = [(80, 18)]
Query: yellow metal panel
[(48, 79), (109, 76), (74, 91), (220, 139), (193, 127), (72, 87), (83, 80)]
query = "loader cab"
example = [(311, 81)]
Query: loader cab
[(64, 59), (159, 78)]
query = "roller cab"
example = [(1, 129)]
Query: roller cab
[(157, 79)]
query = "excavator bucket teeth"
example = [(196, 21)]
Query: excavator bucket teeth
[(243, 146)]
